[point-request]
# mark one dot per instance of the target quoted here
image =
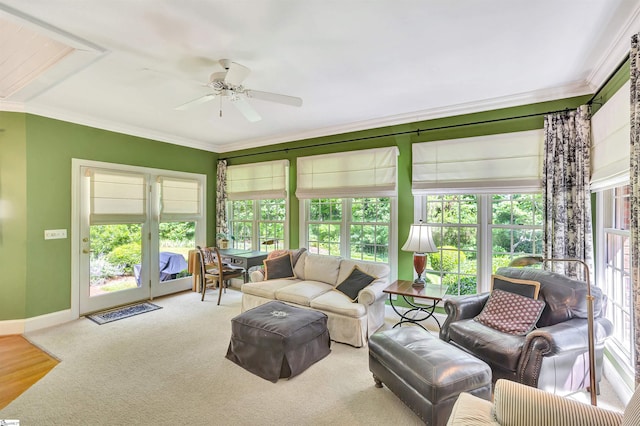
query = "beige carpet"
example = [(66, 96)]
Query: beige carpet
[(168, 367)]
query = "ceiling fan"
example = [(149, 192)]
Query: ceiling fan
[(228, 85)]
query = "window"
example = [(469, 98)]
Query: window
[(356, 228), (257, 206), (258, 224), (348, 204), (614, 269), (478, 233)]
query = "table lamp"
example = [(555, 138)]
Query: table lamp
[(419, 242), (534, 260)]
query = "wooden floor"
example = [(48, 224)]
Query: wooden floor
[(21, 365)]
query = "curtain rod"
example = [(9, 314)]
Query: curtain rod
[(386, 135), (451, 126), (602, 86)]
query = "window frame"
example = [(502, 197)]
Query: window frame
[(345, 226), (605, 225), (484, 229), (256, 242)]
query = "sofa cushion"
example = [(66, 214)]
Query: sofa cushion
[(510, 313), (338, 303), (298, 266), (279, 267), (323, 268), (355, 282), (302, 292), (566, 298), (379, 270), (491, 346), (266, 289)]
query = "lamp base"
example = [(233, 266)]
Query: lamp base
[(419, 282)]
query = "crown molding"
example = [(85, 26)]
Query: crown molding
[(615, 53), (573, 89), (570, 90), (74, 117), (11, 106)]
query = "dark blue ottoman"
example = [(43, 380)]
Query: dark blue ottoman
[(276, 340)]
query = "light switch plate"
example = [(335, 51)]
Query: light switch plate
[(54, 234)]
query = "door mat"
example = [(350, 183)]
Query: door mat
[(123, 312)]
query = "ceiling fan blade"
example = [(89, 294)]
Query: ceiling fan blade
[(197, 101), (246, 110), (236, 74), (274, 97)]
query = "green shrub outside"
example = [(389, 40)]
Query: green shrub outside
[(446, 259), (126, 255)]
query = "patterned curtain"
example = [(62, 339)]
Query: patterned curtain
[(565, 188), (634, 172), (221, 199)]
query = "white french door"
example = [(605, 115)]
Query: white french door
[(135, 228)]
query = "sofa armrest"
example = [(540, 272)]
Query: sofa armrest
[(518, 404), (563, 339), (570, 335), (256, 276), (461, 307), (373, 292)]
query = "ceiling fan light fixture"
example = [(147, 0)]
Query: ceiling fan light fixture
[(228, 84)]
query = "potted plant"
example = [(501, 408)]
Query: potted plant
[(223, 241)]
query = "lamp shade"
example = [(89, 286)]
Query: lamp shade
[(420, 239)]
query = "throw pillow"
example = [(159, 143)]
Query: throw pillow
[(278, 267), (526, 288), (356, 281), (295, 255), (510, 313)]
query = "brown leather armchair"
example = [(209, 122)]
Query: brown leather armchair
[(554, 355)]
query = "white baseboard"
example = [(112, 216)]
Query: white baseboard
[(10, 327), (617, 382), (27, 325)]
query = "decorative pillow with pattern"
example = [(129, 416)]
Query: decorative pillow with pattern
[(279, 267), (510, 313)]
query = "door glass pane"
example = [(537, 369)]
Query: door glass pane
[(116, 254), (176, 239)]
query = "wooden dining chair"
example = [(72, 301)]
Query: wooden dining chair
[(214, 271)]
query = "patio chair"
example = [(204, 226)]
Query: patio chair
[(214, 271)]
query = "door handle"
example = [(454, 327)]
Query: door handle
[(87, 251)]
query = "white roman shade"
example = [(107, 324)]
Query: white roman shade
[(117, 197), (498, 163), (364, 173), (257, 181), (179, 198), (610, 141)]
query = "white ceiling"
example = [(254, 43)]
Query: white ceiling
[(356, 64)]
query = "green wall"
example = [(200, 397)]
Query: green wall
[(35, 179), (505, 120), (38, 182), (13, 213)]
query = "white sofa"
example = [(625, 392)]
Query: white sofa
[(314, 288)]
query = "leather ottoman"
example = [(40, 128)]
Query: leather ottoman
[(276, 340), (426, 373)]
